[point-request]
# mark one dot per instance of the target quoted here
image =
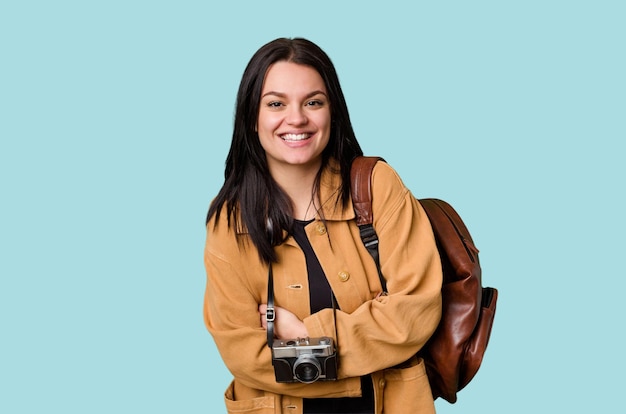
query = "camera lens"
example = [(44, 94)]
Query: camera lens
[(306, 369)]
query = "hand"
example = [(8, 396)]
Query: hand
[(286, 324)]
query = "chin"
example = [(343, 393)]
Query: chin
[(304, 160)]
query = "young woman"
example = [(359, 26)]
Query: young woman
[(285, 205)]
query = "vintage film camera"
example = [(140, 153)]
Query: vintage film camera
[(304, 360)]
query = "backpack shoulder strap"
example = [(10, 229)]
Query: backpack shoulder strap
[(361, 191), (361, 188)]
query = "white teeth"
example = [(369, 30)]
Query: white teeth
[(295, 137)]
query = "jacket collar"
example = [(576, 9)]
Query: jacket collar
[(330, 195)]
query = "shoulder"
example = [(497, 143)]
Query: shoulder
[(391, 199), (386, 183), (384, 170)]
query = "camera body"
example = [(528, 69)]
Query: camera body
[(304, 360)]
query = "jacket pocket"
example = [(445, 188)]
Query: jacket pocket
[(258, 405), (407, 390)]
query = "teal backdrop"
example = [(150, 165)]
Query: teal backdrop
[(115, 120)]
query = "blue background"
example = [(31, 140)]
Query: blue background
[(115, 120)]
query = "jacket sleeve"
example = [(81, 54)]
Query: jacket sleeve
[(388, 330), (231, 316)]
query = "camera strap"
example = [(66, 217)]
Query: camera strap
[(270, 314)]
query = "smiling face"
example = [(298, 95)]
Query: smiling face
[(294, 116)]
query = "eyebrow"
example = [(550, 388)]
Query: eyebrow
[(282, 95)]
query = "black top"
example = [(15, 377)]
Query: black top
[(320, 292), (320, 295)]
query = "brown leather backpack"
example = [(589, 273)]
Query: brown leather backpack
[(455, 351)]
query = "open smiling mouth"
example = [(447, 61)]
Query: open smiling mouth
[(295, 137)]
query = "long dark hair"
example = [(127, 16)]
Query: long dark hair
[(249, 191)]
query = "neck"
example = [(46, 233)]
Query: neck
[(298, 183)]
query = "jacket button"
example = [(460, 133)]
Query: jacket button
[(343, 276), (321, 229), (381, 383)]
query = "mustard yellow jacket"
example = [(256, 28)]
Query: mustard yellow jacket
[(374, 333)]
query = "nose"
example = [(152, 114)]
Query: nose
[(296, 116)]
